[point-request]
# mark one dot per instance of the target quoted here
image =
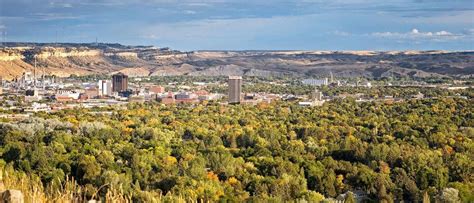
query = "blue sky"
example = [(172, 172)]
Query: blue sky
[(245, 24)]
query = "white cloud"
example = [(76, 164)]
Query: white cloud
[(60, 5), (416, 34), (340, 33), (190, 12), (150, 36), (55, 16), (469, 31), (196, 4)]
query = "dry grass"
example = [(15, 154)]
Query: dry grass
[(57, 191), (70, 191)]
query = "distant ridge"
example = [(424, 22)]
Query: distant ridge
[(64, 59)]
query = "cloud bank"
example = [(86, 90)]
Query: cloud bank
[(416, 34), (242, 24)]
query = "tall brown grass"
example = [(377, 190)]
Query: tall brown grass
[(69, 190)]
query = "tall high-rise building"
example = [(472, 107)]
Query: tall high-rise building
[(119, 82), (235, 88), (105, 88)]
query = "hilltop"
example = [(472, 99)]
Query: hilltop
[(82, 59)]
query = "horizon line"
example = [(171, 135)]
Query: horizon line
[(2, 44)]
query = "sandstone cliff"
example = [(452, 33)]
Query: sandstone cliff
[(81, 59)]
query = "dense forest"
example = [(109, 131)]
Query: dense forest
[(409, 150)]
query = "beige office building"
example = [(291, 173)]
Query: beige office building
[(235, 88)]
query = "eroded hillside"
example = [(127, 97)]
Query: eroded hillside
[(80, 59)]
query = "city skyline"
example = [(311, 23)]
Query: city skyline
[(245, 25)]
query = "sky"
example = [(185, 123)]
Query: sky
[(245, 24)]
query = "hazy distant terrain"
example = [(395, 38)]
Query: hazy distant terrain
[(81, 59)]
